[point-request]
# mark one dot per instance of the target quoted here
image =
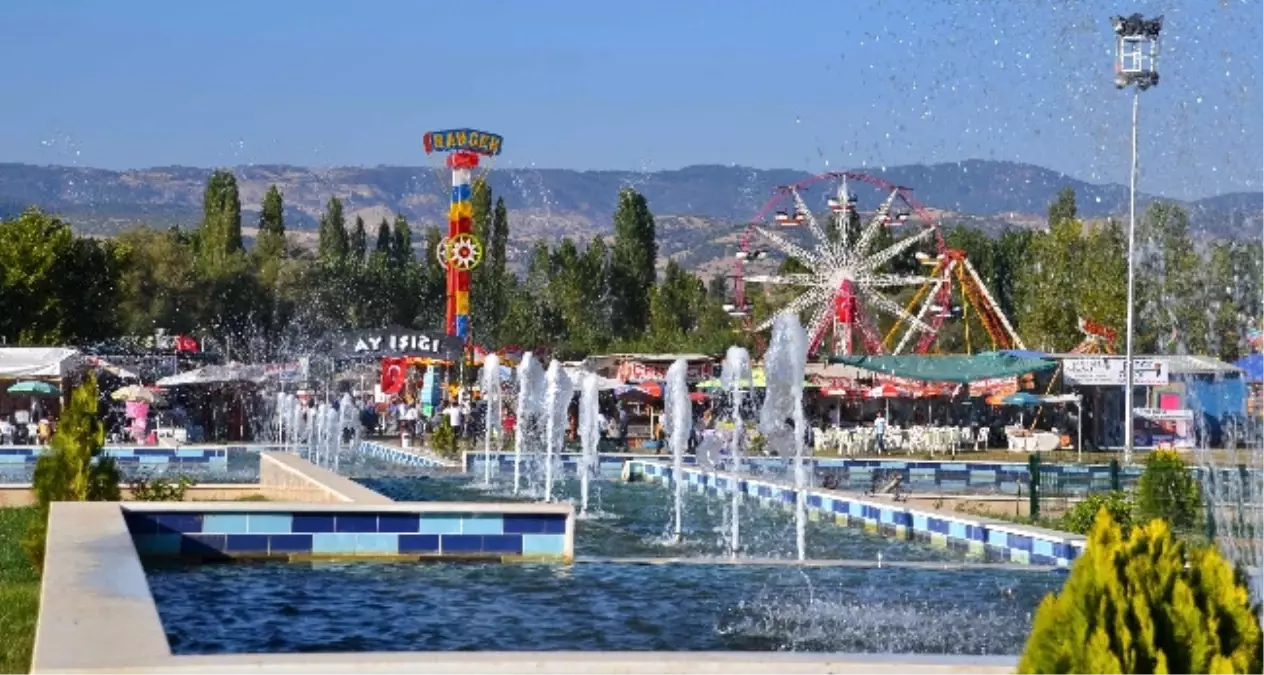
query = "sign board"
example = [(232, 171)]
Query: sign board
[(642, 371), (287, 372), (1109, 371), (995, 386), (1160, 415), (402, 342)]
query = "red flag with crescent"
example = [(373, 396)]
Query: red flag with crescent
[(394, 374)]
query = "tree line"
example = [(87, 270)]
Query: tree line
[(279, 298)]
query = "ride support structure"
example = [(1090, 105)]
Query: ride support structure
[(461, 251)]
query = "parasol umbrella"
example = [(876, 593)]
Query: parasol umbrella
[(133, 392), (884, 391), (1024, 400), (35, 389)]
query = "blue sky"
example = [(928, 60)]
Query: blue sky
[(640, 85)]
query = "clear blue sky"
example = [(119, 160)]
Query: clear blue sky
[(642, 85)]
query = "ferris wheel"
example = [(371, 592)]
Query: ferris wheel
[(848, 278)]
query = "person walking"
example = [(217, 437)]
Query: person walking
[(880, 432)]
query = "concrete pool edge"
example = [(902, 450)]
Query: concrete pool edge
[(1022, 544), (566, 663)]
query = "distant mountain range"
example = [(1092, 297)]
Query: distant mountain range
[(700, 208)]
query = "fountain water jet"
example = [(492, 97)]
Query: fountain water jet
[(589, 435), (784, 366), (490, 385), (530, 386), (557, 400), (735, 374), (678, 423)]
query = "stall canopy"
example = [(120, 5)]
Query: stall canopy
[(1252, 367), (955, 368), (18, 363), (216, 375)]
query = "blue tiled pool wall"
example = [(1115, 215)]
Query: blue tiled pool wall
[(986, 539), (399, 456), (132, 455), (214, 535), (1003, 477), (609, 466), (945, 476)]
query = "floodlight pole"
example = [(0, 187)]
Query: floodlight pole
[(1132, 236), (1136, 51)]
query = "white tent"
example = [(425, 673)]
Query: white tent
[(19, 363), (603, 383), (216, 374)]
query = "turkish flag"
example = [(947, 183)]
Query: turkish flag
[(184, 343), (394, 374)]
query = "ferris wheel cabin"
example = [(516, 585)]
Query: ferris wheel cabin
[(789, 219), (840, 205)]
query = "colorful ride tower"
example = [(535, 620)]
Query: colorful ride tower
[(461, 251)]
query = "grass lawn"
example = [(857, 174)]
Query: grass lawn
[(19, 592)]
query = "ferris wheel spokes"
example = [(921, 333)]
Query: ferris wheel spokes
[(813, 225), (884, 256), (894, 280), (893, 308), (785, 279), (817, 294), (878, 220), (789, 248)]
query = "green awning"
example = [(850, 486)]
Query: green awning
[(953, 368)]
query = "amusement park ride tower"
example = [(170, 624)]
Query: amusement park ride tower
[(461, 251)]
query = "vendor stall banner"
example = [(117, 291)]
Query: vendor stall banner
[(378, 343), (1110, 371), (642, 371)]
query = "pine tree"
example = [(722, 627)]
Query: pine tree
[(358, 242), (270, 244), (220, 233), (633, 258), (73, 470), (332, 247), (1145, 604), (383, 245), (401, 243)]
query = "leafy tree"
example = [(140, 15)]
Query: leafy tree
[(1051, 283), (220, 233), (1081, 517), (1166, 285), (73, 470), (159, 285), (54, 287), (486, 281), (332, 245), (632, 265), (1145, 604), (1167, 489), (359, 242)]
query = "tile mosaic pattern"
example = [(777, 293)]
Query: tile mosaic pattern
[(996, 540), (213, 535), (958, 476), (859, 474), (610, 466), (134, 455), (405, 457)]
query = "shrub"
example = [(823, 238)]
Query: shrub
[(1134, 606), (1167, 489), (67, 472), (443, 439), (149, 488), (1081, 517)]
